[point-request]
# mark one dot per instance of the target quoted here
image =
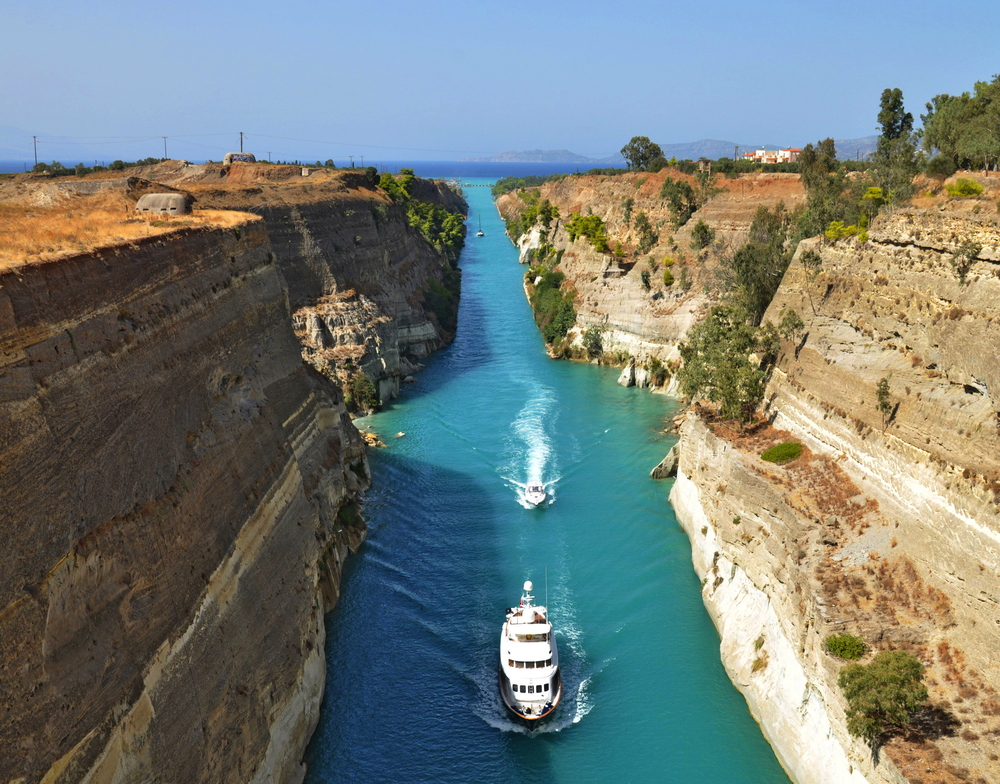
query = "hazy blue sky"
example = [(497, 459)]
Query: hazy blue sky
[(452, 79)]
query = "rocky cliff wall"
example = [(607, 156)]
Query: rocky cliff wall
[(887, 529), (359, 276), (645, 322), (176, 510)]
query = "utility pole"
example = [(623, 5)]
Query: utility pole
[(164, 146), (241, 141), (268, 156), (362, 161), (352, 160), (736, 154), (36, 149)]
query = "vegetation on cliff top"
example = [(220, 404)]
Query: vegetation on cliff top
[(964, 128), (442, 228)]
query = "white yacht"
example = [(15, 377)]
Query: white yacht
[(530, 683), (480, 232), (535, 493)]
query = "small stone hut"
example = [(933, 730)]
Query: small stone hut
[(163, 204)]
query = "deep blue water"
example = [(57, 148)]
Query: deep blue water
[(412, 647)]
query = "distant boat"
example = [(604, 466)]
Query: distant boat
[(530, 682), (535, 494), (480, 232)]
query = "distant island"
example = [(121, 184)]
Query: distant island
[(704, 148)]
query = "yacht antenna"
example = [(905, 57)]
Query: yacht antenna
[(547, 614)]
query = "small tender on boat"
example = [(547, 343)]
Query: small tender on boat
[(535, 494), (530, 683)]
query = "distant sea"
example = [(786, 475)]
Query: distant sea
[(447, 169)]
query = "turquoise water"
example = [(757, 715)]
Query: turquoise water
[(412, 647)]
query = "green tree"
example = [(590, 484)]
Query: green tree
[(619, 251), (894, 120), (593, 341), (791, 324), (882, 694), (716, 362), (702, 235), (882, 401), (681, 199), (647, 234), (751, 274), (640, 152), (812, 265)]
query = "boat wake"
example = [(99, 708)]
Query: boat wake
[(529, 457)]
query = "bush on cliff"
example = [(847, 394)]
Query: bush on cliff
[(593, 342), (717, 362), (591, 227), (883, 694), (846, 646), (680, 198), (360, 393), (554, 311), (782, 453), (964, 188)]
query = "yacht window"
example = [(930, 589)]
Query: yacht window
[(520, 665), (548, 662), (546, 687), (531, 665), (531, 690), (522, 688), (510, 662)]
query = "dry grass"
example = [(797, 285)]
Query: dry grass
[(82, 224)]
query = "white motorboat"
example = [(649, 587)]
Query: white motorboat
[(535, 493), (530, 682)]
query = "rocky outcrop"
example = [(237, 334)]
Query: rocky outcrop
[(177, 507), (889, 526), (667, 467)]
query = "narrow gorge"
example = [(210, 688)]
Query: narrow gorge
[(180, 485)]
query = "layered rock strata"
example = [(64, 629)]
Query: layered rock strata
[(177, 489), (359, 276), (889, 526)]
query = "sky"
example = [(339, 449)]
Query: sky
[(449, 80)]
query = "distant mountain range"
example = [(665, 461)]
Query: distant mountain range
[(705, 148)]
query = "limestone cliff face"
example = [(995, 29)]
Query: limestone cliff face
[(176, 510), (359, 276), (610, 293), (888, 529)]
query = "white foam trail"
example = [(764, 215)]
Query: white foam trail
[(529, 447)]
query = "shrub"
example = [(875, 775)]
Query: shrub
[(701, 235), (668, 278), (964, 188), (647, 235), (554, 311), (882, 694), (846, 646), (941, 166), (593, 341), (782, 453), (644, 275), (360, 393)]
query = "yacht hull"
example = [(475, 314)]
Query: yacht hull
[(531, 722)]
